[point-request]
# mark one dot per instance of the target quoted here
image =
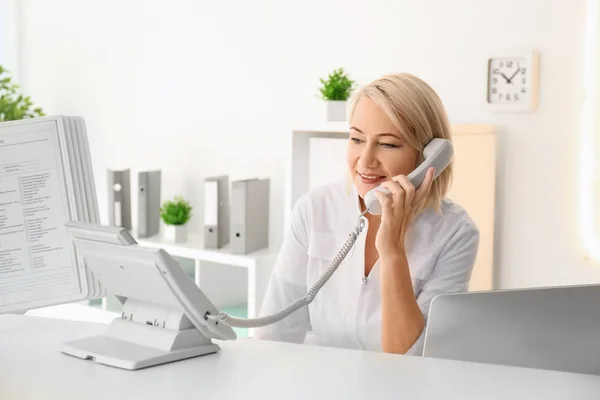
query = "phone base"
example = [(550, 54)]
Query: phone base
[(132, 345)]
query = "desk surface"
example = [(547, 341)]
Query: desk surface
[(31, 367)]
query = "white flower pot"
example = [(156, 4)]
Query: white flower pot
[(176, 233), (336, 110)]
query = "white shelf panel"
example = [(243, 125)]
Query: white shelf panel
[(331, 128), (194, 248)]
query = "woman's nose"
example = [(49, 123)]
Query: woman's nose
[(368, 158)]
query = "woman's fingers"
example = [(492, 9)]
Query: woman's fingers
[(397, 194), (404, 194), (386, 204), (407, 187)]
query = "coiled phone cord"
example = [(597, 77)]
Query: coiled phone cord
[(308, 297)]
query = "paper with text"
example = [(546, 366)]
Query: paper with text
[(35, 258)]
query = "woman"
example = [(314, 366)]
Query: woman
[(420, 246)]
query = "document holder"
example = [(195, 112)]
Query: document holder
[(163, 318)]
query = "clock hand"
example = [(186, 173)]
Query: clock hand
[(513, 75), (507, 80)]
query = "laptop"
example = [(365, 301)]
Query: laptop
[(556, 328)]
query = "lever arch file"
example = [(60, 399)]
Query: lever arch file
[(249, 215), (148, 203), (119, 198), (216, 212)]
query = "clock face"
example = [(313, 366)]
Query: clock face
[(508, 81)]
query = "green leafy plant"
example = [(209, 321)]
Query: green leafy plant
[(13, 105), (337, 86), (176, 211)]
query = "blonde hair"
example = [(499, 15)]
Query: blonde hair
[(418, 113)]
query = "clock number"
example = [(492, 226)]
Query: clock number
[(523, 71), (494, 90), (523, 90), (508, 96), (516, 96), (496, 71), (495, 80), (500, 96), (509, 64), (523, 80)]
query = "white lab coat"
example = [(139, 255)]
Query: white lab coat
[(441, 250)]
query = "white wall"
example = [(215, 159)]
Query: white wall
[(203, 88), (9, 37)]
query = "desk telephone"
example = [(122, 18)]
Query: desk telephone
[(438, 154)]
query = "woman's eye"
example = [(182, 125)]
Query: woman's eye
[(389, 145), (355, 140)]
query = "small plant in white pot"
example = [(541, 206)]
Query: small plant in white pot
[(336, 91), (175, 214)]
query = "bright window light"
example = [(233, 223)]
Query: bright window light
[(589, 166)]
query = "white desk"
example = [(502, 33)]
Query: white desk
[(31, 367)]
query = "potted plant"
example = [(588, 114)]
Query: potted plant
[(175, 214), (336, 90), (13, 105)]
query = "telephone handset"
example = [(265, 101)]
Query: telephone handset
[(438, 154)]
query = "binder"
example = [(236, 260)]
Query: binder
[(216, 212), (249, 215), (148, 203), (119, 198)]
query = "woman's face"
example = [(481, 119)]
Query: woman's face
[(376, 151)]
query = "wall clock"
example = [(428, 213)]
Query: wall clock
[(512, 81)]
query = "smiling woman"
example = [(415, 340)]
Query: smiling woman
[(394, 119), (421, 245)]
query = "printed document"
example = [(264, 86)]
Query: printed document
[(35, 259)]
